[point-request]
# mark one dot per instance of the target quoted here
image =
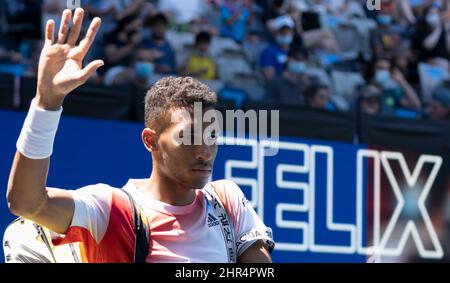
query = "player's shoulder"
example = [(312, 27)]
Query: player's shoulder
[(227, 190), (102, 197), (225, 185), (97, 188), (99, 191)]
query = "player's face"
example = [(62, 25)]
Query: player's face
[(186, 161)]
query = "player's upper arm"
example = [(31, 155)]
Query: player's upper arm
[(87, 208), (56, 211)]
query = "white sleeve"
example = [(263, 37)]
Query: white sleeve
[(248, 225), (92, 209)]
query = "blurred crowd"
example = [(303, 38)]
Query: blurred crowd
[(336, 55)]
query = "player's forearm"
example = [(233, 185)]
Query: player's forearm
[(48, 102), (26, 193)]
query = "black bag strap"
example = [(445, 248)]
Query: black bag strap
[(141, 243)]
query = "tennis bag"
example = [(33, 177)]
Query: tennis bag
[(27, 242)]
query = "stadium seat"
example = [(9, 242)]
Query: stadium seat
[(345, 83), (214, 85), (319, 74), (179, 39), (348, 39), (251, 84), (229, 66), (222, 44)]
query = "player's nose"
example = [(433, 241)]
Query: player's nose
[(205, 153)]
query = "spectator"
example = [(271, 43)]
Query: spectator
[(106, 10), (318, 97), (19, 35), (253, 46), (9, 56), (183, 12), (200, 64), (406, 62), (157, 48), (370, 99), (432, 35), (274, 57), (206, 17), (288, 88), (397, 91), (23, 18), (439, 106), (419, 6), (313, 34), (51, 9), (129, 8), (235, 18), (277, 8), (143, 74), (404, 12), (387, 38), (111, 12), (119, 50)]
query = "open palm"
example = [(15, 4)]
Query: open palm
[(60, 65)]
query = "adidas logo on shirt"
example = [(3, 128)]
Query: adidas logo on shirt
[(212, 221)]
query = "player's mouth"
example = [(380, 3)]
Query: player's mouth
[(203, 172)]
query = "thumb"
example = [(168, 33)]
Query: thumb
[(87, 71)]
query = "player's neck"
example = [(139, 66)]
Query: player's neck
[(164, 189)]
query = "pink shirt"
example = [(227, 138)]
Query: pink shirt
[(103, 223)]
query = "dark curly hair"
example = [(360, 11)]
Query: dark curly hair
[(175, 92)]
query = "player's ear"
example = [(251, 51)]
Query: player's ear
[(149, 139)]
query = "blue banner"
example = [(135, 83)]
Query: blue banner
[(316, 196)]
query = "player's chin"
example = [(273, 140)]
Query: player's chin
[(199, 178), (199, 183)]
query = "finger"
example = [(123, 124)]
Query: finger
[(86, 43), (49, 32), (77, 22), (87, 71), (64, 27)]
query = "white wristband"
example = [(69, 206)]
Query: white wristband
[(38, 132)]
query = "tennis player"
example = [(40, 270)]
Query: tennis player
[(183, 226)]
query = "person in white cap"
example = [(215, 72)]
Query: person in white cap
[(274, 57)]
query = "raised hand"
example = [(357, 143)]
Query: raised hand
[(398, 76), (60, 65)]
